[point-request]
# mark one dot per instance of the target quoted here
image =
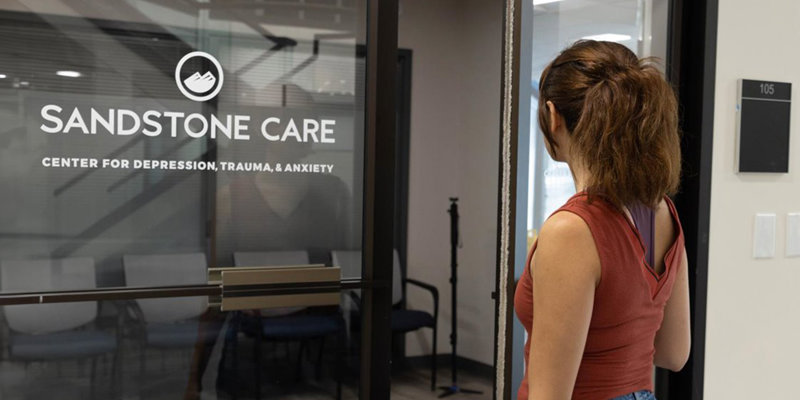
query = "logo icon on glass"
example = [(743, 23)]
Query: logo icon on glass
[(199, 76), (200, 83)]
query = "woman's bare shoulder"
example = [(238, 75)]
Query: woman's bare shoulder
[(565, 239), (665, 223), (565, 224)]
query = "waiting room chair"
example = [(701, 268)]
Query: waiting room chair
[(290, 323), (169, 323), (61, 331), (402, 320)]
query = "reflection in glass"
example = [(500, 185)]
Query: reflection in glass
[(639, 25), (280, 212)]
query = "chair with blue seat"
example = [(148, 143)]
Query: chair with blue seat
[(56, 332), (402, 320), (169, 323), (291, 323)]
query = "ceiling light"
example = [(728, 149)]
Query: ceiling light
[(540, 2), (609, 37), (69, 74), (2, 76)]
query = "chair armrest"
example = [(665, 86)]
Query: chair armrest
[(129, 309), (130, 319), (434, 293), (355, 298)]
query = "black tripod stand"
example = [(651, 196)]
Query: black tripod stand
[(454, 388)]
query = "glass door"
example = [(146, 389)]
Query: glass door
[(535, 185), (183, 190)]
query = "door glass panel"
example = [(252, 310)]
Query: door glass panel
[(176, 348), (150, 127), (144, 142), (641, 25)]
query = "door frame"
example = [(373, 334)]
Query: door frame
[(507, 200), (692, 51), (379, 197)]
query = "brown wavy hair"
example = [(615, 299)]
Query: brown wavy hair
[(622, 119)]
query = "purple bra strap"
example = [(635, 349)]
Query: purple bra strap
[(644, 218)]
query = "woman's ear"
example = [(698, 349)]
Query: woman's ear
[(555, 120)]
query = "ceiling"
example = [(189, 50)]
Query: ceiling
[(557, 25)]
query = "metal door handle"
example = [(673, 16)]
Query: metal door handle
[(245, 288)]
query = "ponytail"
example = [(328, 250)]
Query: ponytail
[(622, 119)]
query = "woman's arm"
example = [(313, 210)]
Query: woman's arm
[(673, 339), (565, 271)]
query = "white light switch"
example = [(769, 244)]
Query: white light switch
[(764, 236), (793, 235)]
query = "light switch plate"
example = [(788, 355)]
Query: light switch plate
[(793, 235), (764, 236)]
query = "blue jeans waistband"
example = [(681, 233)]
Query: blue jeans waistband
[(640, 395)]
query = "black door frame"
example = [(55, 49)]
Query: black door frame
[(692, 70), (378, 239)]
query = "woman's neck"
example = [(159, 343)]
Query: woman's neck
[(580, 175)]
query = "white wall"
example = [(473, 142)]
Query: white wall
[(455, 122), (753, 323)]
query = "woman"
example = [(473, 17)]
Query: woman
[(608, 272)]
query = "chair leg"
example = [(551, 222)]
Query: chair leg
[(300, 360), (259, 337), (434, 357), (142, 369), (116, 379), (339, 368), (92, 381), (319, 357), (234, 353)]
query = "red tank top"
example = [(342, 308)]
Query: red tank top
[(628, 304)]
